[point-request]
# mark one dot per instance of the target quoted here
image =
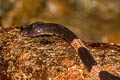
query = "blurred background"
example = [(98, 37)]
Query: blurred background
[(90, 20)]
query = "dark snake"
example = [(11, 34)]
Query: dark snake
[(40, 28)]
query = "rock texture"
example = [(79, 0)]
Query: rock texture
[(52, 58)]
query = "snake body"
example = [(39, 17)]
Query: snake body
[(40, 28)]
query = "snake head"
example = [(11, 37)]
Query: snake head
[(24, 31), (33, 29)]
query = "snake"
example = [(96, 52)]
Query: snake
[(41, 28)]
